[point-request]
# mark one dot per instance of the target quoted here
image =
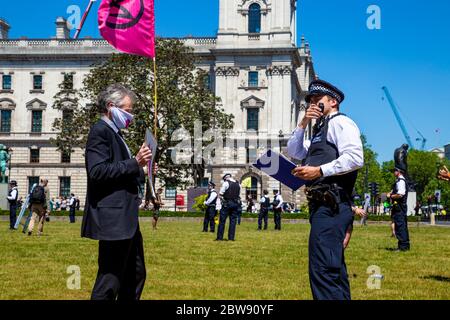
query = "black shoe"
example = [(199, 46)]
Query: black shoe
[(213, 231), (29, 233), (219, 240)]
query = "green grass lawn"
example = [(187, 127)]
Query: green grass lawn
[(183, 263)]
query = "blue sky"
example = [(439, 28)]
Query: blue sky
[(410, 54)]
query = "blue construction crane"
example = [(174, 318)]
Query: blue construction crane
[(401, 124)]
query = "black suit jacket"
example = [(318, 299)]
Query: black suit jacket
[(112, 199)]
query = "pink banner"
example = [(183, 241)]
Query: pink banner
[(128, 25)]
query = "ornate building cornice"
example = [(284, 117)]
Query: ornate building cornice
[(279, 70), (227, 71)]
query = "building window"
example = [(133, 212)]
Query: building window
[(68, 81), (5, 121), (253, 79), (253, 119), (64, 186), (6, 83), (34, 155), (251, 155), (65, 157), (36, 121), (207, 82), (31, 182), (37, 82), (171, 192), (254, 18)]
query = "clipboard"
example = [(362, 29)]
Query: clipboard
[(280, 168), (152, 144)]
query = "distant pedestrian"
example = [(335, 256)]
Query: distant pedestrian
[(63, 204), (277, 209), (12, 197), (210, 212), (366, 206), (264, 203), (77, 206), (72, 207), (157, 203), (38, 203)]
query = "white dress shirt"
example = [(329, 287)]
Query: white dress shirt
[(279, 198), (13, 195), (344, 134), (225, 186), (401, 186), (211, 198)]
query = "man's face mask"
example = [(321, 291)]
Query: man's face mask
[(121, 118)]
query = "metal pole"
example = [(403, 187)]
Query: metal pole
[(86, 13)]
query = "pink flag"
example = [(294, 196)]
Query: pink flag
[(129, 25)]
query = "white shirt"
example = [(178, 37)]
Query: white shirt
[(401, 186), (345, 135), (263, 199), (13, 195), (279, 198), (116, 130), (226, 185), (71, 201), (211, 198)]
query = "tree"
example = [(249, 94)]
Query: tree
[(372, 168), (183, 99)]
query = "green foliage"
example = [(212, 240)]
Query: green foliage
[(182, 100), (199, 204)]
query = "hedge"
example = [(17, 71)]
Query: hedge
[(184, 214)]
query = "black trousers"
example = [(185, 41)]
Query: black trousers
[(277, 218), (12, 215), (209, 219), (327, 269), (401, 229), (72, 215), (263, 216), (121, 269), (230, 210)]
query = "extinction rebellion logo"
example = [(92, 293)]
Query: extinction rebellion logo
[(124, 14)]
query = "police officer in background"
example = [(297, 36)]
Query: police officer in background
[(399, 198), (330, 163), (277, 205), (210, 204), (264, 203), (12, 197), (230, 193)]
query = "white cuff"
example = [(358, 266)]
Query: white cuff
[(327, 169)]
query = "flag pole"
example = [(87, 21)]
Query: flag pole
[(155, 99), (86, 13)]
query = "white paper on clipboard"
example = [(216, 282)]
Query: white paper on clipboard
[(152, 144)]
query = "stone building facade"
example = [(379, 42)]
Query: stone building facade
[(255, 64)]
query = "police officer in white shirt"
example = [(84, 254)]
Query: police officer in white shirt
[(210, 203), (12, 197), (230, 193), (277, 205), (399, 200), (330, 163)]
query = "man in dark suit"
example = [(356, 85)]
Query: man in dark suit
[(112, 200)]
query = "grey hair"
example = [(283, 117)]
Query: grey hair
[(115, 94)]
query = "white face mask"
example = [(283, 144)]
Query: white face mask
[(121, 118)]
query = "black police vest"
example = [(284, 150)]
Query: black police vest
[(403, 201), (321, 152), (13, 202), (213, 203), (233, 191), (266, 203)]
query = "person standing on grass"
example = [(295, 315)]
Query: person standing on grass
[(157, 203), (72, 207), (231, 206), (111, 212), (365, 209), (264, 203), (210, 212), (38, 203), (12, 197), (399, 198), (277, 209)]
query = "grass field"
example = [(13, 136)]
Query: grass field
[(183, 263)]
